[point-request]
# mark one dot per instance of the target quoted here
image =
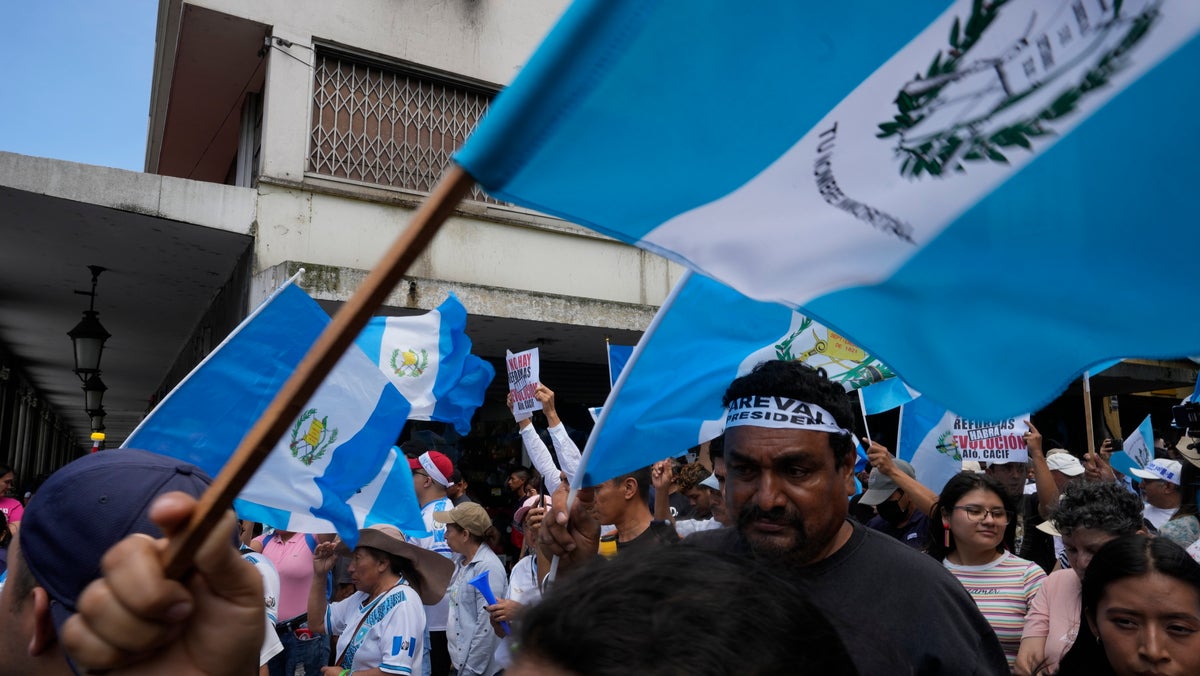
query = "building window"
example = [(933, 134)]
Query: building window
[(389, 127)]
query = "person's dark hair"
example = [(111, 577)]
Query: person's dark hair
[(958, 486), (798, 380), (456, 476), (522, 473), (691, 475), (640, 615), (716, 448), (5, 469), (399, 565), (1124, 557), (642, 477), (1189, 490), (1100, 505), (5, 534)]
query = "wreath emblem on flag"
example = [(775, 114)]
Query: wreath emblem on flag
[(946, 445), (977, 107), (411, 363), (316, 439)]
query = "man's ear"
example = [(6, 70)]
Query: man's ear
[(629, 488), (43, 637)]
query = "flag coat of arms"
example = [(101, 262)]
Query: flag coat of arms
[(428, 358), (958, 187), (314, 478), (668, 397)]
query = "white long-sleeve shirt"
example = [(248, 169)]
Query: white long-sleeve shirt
[(543, 462)]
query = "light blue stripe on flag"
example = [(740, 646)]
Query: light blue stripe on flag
[(887, 395), (618, 357), (933, 149)]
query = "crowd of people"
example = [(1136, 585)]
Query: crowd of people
[(765, 559)]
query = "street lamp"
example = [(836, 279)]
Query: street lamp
[(89, 335), (93, 394)]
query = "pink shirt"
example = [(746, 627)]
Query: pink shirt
[(294, 562), (1054, 614), (12, 509)]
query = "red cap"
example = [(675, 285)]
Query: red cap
[(433, 463)]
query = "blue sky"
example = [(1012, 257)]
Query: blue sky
[(77, 79)]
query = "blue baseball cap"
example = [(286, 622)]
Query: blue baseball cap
[(88, 506)]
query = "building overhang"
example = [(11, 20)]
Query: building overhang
[(169, 246)]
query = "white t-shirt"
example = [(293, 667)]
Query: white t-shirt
[(526, 589), (1157, 515), (271, 645), (392, 637), (436, 615)]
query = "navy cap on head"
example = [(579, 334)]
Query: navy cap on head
[(87, 507)]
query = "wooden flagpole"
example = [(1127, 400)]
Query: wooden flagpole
[(317, 363), (1087, 414)]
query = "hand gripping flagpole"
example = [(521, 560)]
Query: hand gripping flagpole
[(317, 363)]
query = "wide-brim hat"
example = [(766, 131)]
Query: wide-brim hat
[(1189, 449), (433, 569)]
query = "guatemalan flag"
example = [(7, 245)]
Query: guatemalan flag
[(970, 190), (668, 397), (334, 469), (428, 358)]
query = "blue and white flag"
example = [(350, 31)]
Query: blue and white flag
[(1137, 451), (618, 357), (314, 479), (428, 358), (668, 398), (885, 396), (893, 168), (926, 441)]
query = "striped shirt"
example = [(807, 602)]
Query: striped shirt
[(1003, 590)]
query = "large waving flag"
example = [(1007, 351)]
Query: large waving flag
[(322, 476), (920, 175), (428, 358), (668, 398)]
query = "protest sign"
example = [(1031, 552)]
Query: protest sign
[(524, 374), (992, 442)]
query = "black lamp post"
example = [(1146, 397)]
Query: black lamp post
[(88, 338), (89, 334)]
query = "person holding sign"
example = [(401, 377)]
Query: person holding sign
[(1021, 532), (968, 538)]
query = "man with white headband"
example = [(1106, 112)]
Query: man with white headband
[(789, 461), (431, 472)]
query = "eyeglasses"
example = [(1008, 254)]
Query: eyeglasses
[(978, 513), (419, 472)]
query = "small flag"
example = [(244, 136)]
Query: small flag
[(926, 441), (1137, 450), (618, 356), (313, 479), (428, 358)]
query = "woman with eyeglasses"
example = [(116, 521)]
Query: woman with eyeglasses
[(967, 532)]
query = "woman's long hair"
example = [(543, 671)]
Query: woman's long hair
[(1122, 558), (958, 486)]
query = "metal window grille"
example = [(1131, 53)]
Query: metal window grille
[(388, 127)]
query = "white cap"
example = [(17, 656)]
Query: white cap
[(1065, 463), (1160, 470), (710, 481)]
